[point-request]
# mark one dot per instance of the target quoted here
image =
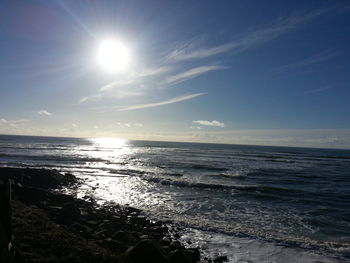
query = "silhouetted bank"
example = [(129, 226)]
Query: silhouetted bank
[(48, 226)]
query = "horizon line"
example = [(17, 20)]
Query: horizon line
[(174, 141)]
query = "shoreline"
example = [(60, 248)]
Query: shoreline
[(105, 233), (49, 226)]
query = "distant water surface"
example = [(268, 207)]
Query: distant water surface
[(252, 203)]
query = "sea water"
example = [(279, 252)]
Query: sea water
[(250, 203)]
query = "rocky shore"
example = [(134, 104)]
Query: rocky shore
[(48, 226)]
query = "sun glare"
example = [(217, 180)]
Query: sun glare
[(109, 142), (113, 56)]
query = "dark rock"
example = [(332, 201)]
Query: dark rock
[(31, 194), (160, 229), (61, 198), (43, 203), (42, 178), (70, 211), (140, 219), (165, 242), (179, 257), (124, 236), (92, 222), (110, 243), (78, 227), (100, 234), (193, 254), (207, 259), (155, 224), (220, 259), (166, 249), (69, 177), (110, 227), (175, 245), (145, 251)]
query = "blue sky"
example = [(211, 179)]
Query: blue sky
[(272, 73)]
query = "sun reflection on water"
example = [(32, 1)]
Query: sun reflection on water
[(112, 152), (110, 177), (114, 143), (114, 173)]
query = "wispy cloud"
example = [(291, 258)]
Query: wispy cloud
[(135, 77), (84, 99), (118, 94), (252, 39), (43, 112), (20, 126), (210, 123), (130, 124), (117, 84), (129, 85), (149, 72), (162, 103), (316, 90), (311, 60), (13, 123), (185, 54), (192, 73)]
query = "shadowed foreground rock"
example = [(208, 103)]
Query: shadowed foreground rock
[(6, 251), (179, 256), (54, 227), (145, 251)]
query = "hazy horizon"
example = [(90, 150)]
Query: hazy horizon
[(175, 141)]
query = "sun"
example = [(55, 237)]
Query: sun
[(113, 55)]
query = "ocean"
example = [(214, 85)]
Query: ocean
[(250, 203)]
